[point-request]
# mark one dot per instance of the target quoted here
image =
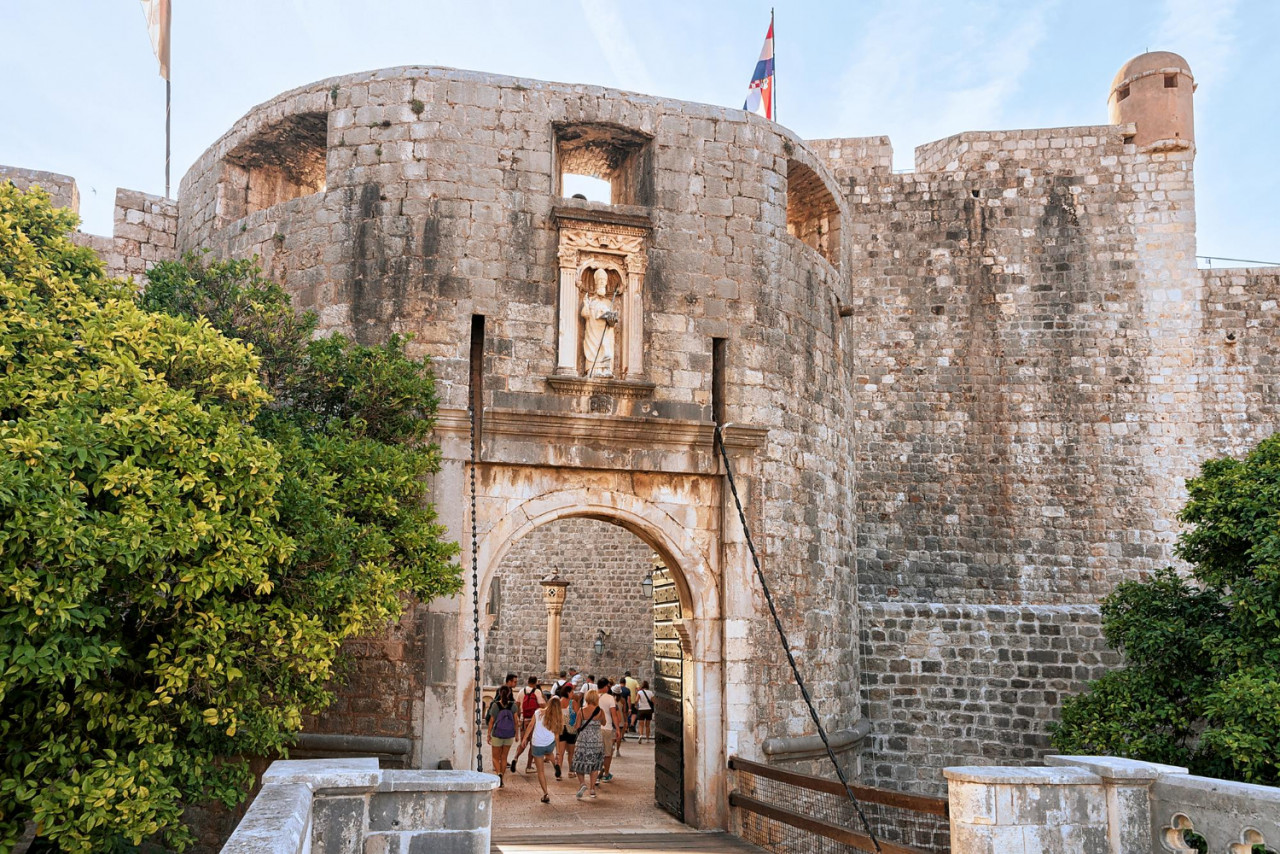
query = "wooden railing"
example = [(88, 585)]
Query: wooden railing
[(783, 810)]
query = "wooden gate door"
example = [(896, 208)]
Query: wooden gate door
[(668, 689)]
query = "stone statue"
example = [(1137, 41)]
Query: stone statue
[(601, 318)]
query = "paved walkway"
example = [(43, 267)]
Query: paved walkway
[(622, 816), (625, 803)]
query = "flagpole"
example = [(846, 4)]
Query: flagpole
[(773, 92), (167, 87)]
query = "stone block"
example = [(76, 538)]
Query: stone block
[(338, 825)]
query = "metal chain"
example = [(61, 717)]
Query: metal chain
[(475, 581), (786, 647)]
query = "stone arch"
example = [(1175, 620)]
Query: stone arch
[(696, 579), (278, 163), (813, 215)]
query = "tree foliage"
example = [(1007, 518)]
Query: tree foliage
[(1201, 687), (181, 555)]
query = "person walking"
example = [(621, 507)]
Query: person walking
[(541, 734), (644, 711), (633, 686), (608, 726), (501, 720), (589, 758), (530, 699), (623, 695), (569, 736)]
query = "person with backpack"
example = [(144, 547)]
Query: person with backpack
[(501, 719), (541, 734), (569, 736), (644, 711), (530, 699)]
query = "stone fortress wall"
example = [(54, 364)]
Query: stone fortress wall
[(145, 228), (983, 382), (439, 203)]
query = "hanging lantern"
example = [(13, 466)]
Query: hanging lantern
[(599, 644), (646, 585)]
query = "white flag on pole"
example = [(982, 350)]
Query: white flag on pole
[(158, 14)]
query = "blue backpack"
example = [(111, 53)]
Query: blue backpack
[(504, 724)]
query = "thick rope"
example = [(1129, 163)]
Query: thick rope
[(475, 586), (786, 646)]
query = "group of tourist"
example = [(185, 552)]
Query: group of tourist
[(579, 719)]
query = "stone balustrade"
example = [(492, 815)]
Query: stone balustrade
[(350, 806), (1105, 805)]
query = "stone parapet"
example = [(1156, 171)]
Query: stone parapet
[(1105, 805), (351, 807)]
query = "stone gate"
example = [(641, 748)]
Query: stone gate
[(962, 400)]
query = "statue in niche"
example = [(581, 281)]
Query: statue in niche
[(601, 319)]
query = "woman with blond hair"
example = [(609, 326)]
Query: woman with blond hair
[(588, 759), (541, 733)]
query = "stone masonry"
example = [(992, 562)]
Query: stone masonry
[(962, 401), (604, 565)]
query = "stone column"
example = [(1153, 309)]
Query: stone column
[(633, 317), (567, 357), (553, 595)]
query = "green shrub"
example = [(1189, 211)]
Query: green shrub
[(180, 557), (1201, 686)]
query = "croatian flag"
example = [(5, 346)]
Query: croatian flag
[(760, 92)]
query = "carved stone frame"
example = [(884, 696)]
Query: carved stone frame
[(611, 241)]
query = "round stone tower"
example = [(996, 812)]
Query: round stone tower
[(1153, 91)]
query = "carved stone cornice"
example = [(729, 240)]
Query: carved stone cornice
[(601, 385), (601, 441), (603, 219)]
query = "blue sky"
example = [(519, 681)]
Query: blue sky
[(81, 94)]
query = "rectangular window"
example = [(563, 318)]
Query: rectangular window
[(1123, 93), (475, 396), (718, 347), (1171, 81)]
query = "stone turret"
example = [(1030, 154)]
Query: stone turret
[(1153, 91)]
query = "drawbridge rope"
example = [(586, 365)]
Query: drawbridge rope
[(786, 646), (475, 583)]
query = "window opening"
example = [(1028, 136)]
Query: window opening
[(279, 163), (1171, 81), (586, 187), (605, 163), (812, 213), (718, 348), (476, 396)]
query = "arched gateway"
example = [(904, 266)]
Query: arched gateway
[(692, 557), (599, 343), (679, 514)]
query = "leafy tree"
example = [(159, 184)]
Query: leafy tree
[(180, 558), (351, 424), (1202, 683)]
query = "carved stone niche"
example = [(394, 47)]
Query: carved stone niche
[(618, 244)]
